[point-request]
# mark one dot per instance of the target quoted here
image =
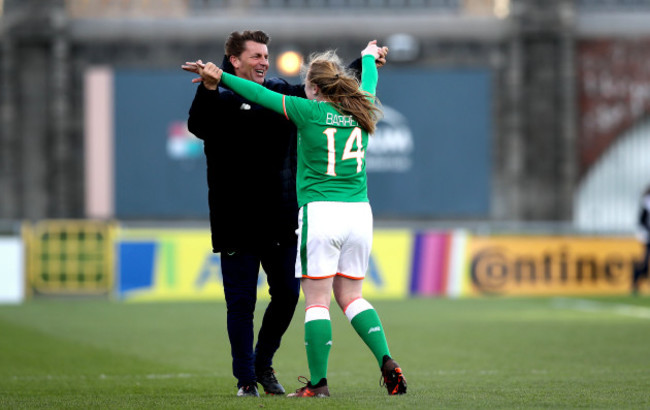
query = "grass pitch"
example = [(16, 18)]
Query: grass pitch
[(467, 353)]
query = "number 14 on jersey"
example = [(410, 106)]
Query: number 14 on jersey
[(349, 152)]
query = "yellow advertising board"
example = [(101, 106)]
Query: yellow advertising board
[(168, 265), (552, 265), (388, 275), (179, 265)]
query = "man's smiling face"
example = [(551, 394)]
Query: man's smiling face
[(253, 63)]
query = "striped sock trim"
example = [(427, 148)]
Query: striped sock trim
[(357, 306), (316, 312)]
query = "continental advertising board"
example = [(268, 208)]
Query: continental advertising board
[(550, 265), (179, 265)]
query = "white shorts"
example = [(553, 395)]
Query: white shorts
[(334, 238)]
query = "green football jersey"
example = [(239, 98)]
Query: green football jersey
[(331, 146)]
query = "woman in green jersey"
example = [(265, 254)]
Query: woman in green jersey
[(335, 219)]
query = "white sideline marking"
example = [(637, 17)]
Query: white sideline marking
[(591, 306)]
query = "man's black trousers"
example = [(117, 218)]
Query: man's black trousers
[(240, 270)]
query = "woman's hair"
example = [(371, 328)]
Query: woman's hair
[(236, 41), (341, 88)]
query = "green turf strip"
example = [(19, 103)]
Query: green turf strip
[(470, 353)]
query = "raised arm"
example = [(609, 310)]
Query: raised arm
[(369, 74), (251, 91), (355, 66), (207, 101), (254, 92)]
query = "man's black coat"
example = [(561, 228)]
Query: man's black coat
[(251, 166)]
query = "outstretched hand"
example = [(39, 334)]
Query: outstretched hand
[(381, 60), (379, 53), (208, 73)]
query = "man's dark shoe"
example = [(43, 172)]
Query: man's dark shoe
[(268, 381), (248, 390), (392, 377)]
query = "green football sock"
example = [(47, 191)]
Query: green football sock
[(318, 342), (368, 326)]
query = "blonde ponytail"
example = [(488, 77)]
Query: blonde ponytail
[(341, 88)]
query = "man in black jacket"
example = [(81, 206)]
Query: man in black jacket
[(251, 161)]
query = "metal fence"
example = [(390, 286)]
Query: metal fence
[(69, 257)]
